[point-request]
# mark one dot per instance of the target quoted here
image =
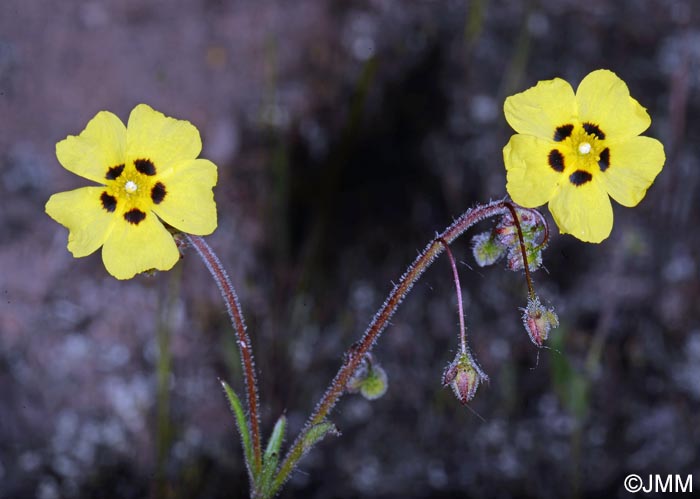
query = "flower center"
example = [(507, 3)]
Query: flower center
[(133, 189), (582, 152), (129, 189), (130, 186)]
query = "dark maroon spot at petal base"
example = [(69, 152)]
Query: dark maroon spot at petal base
[(114, 172), (580, 177), (563, 132), (109, 203), (604, 159), (592, 129), (145, 166), (134, 216), (158, 193), (556, 160)]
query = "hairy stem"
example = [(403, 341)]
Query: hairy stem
[(523, 251), (357, 352), (460, 305), (234, 311)]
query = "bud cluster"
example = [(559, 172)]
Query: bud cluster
[(503, 240)]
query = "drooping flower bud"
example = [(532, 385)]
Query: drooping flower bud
[(463, 375), (370, 379), (538, 321), (487, 249)]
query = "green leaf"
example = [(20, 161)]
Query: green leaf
[(316, 433), (241, 424), (272, 452), (273, 446)]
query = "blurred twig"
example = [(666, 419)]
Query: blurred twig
[(474, 24), (164, 436), (518, 61)]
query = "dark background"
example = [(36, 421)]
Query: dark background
[(346, 134)]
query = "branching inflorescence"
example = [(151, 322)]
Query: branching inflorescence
[(154, 198), (358, 369)]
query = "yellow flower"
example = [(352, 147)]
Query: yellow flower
[(148, 172), (575, 150)]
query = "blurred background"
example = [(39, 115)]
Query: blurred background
[(347, 133)]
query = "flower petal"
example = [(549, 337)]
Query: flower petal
[(162, 140), (604, 100), (531, 180), (81, 211), (583, 211), (541, 109), (188, 204), (131, 249), (634, 164), (99, 147)]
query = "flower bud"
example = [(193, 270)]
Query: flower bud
[(463, 375), (370, 379), (515, 258), (486, 249), (375, 384), (538, 321)]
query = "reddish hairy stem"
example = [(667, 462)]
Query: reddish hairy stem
[(234, 311), (458, 290), (523, 252), (357, 352)]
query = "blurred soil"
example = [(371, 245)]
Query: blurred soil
[(346, 134)]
